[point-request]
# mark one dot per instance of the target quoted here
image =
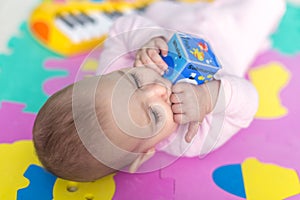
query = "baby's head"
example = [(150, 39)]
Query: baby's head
[(103, 124)]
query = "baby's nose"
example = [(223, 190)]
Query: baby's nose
[(158, 90)]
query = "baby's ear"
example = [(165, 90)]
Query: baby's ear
[(141, 159)]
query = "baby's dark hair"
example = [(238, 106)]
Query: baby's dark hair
[(58, 145)]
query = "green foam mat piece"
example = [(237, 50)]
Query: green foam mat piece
[(22, 73)]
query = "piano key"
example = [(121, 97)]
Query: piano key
[(90, 26), (78, 26), (67, 22), (114, 15), (67, 30), (103, 23), (86, 24), (71, 28), (77, 19), (87, 17)]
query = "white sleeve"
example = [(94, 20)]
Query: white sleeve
[(235, 109), (126, 36)]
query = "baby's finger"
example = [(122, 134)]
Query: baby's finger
[(156, 58), (177, 118), (192, 131), (175, 98), (180, 118), (180, 87), (162, 45), (138, 63), (177, 108), (147, 62), (179, 98)]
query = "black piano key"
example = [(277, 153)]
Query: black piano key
[(70, 17), (114, 15), (66, 21), (141, 10), (77, 19), (87, 17)]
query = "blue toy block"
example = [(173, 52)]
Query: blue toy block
[(190, 59)]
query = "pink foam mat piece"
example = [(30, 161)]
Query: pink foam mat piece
[(147, 186), (296, 197), (73, 67), (193, 178), (15, 124)]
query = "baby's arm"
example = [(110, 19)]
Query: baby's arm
[(236, 105), (191, 103), (127, 35)]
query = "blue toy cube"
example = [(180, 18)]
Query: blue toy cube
[(190, 59)]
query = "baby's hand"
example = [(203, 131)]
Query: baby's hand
[(148, 55), (190, 104)]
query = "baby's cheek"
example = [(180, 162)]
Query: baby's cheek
[(170, 114), (169, 125)]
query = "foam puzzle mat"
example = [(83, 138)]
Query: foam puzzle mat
[(261, 162)]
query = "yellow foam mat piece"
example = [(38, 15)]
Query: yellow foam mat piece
[(14, 161), (269, 80), (103, 189), (268, 181), (90, 65)]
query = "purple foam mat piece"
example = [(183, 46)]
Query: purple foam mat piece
[(15, 124), (146, 186), (73, 66)]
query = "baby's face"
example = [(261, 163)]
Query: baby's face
[(140, 105)]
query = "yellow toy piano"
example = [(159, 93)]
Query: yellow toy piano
[(76, 27)]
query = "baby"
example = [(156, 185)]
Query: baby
[(121, 117)]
